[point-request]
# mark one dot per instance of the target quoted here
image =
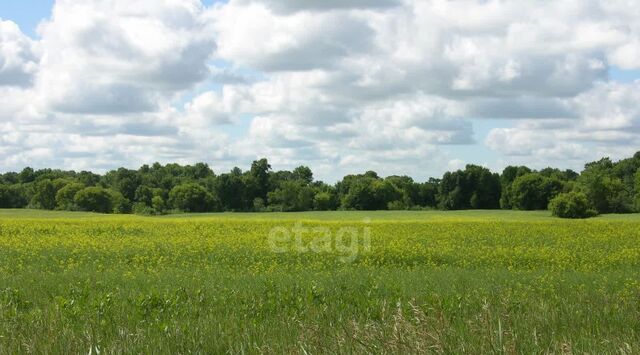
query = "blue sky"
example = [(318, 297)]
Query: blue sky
[(26, 13), (320, 84)]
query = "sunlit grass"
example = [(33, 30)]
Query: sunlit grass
[(451, 282)]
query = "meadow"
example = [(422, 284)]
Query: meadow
[(335, 282)]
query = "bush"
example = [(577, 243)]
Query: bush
[(572, 205), (140, 208), (396, 206)]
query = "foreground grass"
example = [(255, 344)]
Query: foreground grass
[(470, 282)]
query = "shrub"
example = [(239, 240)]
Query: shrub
[(572, 205), (396, 206), (140, 208)]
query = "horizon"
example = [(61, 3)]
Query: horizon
[(398, 87)]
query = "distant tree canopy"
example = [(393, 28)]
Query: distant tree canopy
[(604, 186)]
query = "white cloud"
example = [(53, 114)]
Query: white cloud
[(254, 36), (207, 109), (116, 56), (19, 56), (607, 122), (287, 6), (338, 85)]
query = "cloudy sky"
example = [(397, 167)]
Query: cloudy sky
[(399, 86)]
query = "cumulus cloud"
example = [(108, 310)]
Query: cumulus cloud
[(287, 6), (207, 109), (118, 57), (19, 56), (338, 85), (607, 121), (254, 36)]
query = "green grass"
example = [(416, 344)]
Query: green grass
[(470, 215), (430, 282)]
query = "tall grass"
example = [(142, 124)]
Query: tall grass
[(215, 285)]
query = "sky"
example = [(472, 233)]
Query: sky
[(402, 87)]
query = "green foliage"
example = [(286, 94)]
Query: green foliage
[(509, 174), (65, 196), (292, 196), (533, 191), (572, 205), (94, 199), (13, 196), (637, 190), (611, 187), (359, 194), (325, 201), (473, 188), (303, 174), (606, 191), (141, 208), (192, 197), (259, 178), (45, 195), (158, 204), (232, 191), (119, 203)]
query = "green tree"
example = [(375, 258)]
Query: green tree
[(144, 194), (65, 196), (94, 199), (192, 197), (359, 194), (474, 187), (303, 174), (231, 190), (45, 195), (120, 204), (124, 181), (509, 174), (607, 192), (13, 196), (158, 204), (6, 197), (26, 176), (533, 191), (325, 201), (260, 175), (292, 196), (637, 190), (428, 193)]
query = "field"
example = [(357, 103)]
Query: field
[(335, 282)]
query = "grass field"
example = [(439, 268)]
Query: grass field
[(335, 282)]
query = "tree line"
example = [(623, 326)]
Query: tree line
[(604, 186)]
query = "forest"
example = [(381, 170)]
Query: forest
[(604, 186)]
